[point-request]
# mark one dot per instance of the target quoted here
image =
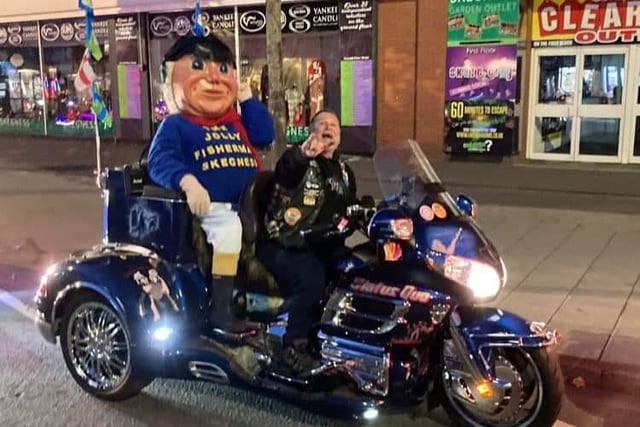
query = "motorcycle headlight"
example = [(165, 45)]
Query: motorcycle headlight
[(481, 278)]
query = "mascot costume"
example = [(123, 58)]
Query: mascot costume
[(206, 149)]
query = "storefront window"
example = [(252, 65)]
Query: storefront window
[(21, 102), (327, 64), (327, 61), (557, 79), (603, 79), (310, 73), (552, 135), (599, 136), (69, 110)]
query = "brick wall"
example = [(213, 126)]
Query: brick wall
[(410, 64)]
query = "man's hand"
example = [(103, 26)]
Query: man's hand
[(197, 196), (312, 147)]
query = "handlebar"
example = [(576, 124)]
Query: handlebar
[(356, 215)]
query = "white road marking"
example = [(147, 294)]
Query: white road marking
[(14, 303)]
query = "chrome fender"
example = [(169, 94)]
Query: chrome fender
[(476, 330)]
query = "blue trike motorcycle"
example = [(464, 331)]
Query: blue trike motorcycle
[(404, 323)]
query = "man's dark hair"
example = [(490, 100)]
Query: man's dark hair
[(324, 110)]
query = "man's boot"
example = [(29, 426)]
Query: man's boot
[(222, 315), (299, 359)]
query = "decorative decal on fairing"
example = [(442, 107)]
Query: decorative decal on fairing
[(142, 221), (451, 240), (437, 244), (155, 290), (392, 251), (408, 292), (439, 210), (426, 213)]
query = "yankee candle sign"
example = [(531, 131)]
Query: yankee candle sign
[(583, 22)]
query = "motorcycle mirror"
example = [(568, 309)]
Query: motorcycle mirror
[(467, 205)]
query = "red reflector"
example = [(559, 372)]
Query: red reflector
[(42, 291)]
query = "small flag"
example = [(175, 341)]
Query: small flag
[(86, 5), (94, 47), (86, 76), (102, 114), (197, 26), (100, 109)]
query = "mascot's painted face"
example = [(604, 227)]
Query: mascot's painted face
[(203, 87)]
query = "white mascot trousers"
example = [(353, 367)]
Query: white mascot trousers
[(223, 228)]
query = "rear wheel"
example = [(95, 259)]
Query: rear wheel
[(96, 345), (530, 392)]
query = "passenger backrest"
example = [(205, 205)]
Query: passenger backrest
[(253, 205)]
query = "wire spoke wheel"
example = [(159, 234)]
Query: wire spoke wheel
[(527, 391), (98, 350)]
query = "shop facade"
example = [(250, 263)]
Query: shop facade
[(328, 53), (39, 61), (585, 69), (575, 83), (573, 94)]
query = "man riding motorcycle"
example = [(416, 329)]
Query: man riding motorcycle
[(313, 187)]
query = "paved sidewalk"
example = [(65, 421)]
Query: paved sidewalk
[(577, 269), (579, 272)]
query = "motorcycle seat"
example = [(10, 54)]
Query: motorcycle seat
[(253, 204), (253, 277)]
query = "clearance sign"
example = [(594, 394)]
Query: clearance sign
[(585, 22)]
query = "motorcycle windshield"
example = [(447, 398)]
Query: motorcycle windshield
[(406, 176), (445, 236)]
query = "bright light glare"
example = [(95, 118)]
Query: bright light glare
[(370, 414), (162, 333), (484, 389), (483, 280)]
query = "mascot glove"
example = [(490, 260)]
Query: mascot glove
[(197, 196), (244, 92)]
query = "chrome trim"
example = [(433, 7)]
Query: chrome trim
[(208, 371), (439, 312), (477, 364), (366, 364), (114, 248), (99, 346), (340, 308), (535, 340), (466, 356)]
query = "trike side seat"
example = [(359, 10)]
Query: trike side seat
[(139, 212)]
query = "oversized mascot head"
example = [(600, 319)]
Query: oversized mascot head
[(199, 75)]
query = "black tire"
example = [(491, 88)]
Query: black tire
[(133, 379), (548, 366)]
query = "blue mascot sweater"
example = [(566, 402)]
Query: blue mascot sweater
[(218, 152)]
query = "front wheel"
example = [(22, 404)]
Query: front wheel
[(98, 351), (530, 391)]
